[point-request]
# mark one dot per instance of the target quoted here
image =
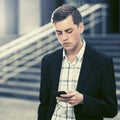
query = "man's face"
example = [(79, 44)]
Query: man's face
[(68, 33)]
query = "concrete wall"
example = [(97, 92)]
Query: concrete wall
[(19, 16), (29, 15), (2, 17), (8, 17)]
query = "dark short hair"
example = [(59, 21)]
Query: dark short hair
[(64, 11)]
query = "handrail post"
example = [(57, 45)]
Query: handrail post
[(4, 70), (92, 29), (104, 23), (16, 59)]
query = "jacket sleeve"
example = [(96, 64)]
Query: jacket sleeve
[(104, 105), (44, 91)]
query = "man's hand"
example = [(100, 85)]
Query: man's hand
[(72, 97)]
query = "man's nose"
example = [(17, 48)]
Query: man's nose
[(65, 36)]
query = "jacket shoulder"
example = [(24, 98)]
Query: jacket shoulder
[(97, 53), (53, 55)]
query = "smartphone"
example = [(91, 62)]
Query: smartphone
[(58, 93)]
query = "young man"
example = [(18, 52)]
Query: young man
[(84, 74)]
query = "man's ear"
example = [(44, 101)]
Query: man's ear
[(81, 27)]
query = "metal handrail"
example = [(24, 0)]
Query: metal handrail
[(18, 55), (24, 38), (93, 8)]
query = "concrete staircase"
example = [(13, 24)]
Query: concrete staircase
[(25, 85)]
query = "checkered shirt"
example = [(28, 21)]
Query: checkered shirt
[(68, 81)]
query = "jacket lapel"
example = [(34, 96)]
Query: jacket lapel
[(85, 68), (57, 69)]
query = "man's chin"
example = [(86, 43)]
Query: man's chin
[(67, 48)]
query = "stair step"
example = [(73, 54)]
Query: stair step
[(118, 84), (33, 88), (116, 60), (32, 70), (117, 67), (18, 91), (19, 96), (107, 47), (22, 83), (103, 42), (105, 37), (111, 53), (26, 77), (117, 76)]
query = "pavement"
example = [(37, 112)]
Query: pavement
[(19, 109)]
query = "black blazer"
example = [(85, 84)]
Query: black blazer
[(96, 82)]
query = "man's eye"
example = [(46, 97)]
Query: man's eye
[(59, 33), (70, 31)]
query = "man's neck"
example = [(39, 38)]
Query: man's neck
[(72, 54)]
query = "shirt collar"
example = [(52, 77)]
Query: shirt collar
[(79, 56)]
